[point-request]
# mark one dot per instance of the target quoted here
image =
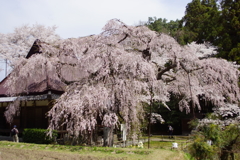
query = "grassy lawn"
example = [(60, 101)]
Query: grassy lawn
[(27, 151)]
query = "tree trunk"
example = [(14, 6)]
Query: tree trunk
[(232, 156), (108, 136), (224, 155), (227, 150), (227, 155)]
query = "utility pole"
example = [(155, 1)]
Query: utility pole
[(150, 116), (6, 68), (190, 88)]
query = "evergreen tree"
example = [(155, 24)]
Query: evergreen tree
[(217, 22), (201, 19), (161, 25), (229, 35)]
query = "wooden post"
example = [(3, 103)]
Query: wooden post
[(25, 116), (150, 116), (6, 68), (190, 88)]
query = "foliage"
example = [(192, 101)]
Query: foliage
[(231, 141), (163, 26), (212, 132), (224, 140), (38, 136), (193, 123), (214, 21), (229, 34), (223, 126), (201, 18), (172, 28), (199, 149), (108, 77)]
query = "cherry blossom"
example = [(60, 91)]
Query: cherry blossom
[(109, 76), (17, 44)]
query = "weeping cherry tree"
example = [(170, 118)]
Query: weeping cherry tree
[(108, 77)]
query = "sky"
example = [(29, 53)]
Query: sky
[(78, 18)]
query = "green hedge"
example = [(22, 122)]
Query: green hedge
[(39, 136)]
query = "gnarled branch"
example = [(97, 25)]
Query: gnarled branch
[(168, 68)]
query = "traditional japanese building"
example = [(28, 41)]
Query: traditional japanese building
[(34, 104)]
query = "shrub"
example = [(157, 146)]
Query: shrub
[(200, 149), (38, 136)]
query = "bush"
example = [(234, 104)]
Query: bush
[(38, 136), (200, 149)]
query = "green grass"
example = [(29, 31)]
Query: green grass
[(25, 151), (163, 142)]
